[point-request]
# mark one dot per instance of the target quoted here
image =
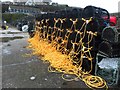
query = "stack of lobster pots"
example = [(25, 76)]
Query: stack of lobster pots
[(108, 57), (110, 45)]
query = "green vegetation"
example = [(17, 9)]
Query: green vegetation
[(12, 17)]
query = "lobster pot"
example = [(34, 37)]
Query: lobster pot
[(111, 34), (108, 69), (109, 49)]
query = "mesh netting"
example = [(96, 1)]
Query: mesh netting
[(67, 45)]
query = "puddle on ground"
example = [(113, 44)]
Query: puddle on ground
[(11, 32), (7, 39), (5, 51)]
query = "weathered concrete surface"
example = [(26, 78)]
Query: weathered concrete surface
[(17, 69)]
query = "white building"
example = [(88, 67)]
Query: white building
[(20, 1), (42, 2), (33, 2)]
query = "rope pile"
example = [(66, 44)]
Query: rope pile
[(65, 53)]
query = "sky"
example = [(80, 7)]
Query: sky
[(110, 5)]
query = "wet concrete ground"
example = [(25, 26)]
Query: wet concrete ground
[(20, 71)]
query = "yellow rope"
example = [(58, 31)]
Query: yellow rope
[(55, 53)]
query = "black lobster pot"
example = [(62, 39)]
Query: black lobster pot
[(109, 49), (111, 34)]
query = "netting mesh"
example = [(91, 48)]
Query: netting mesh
[(66, 44)]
